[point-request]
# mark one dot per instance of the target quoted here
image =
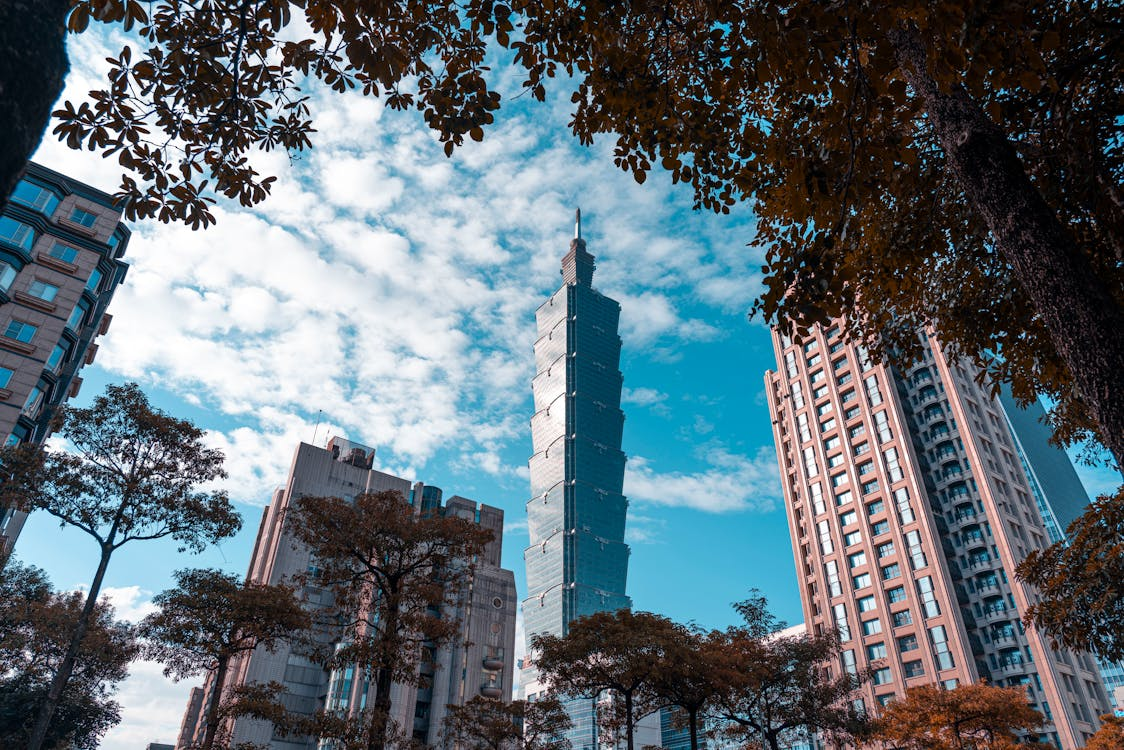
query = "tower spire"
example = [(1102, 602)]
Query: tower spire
[(578, 224), (578, 265)]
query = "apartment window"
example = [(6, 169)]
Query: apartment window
[(851, 413), (916, 555), (861, 448), (824, 408), (857, 559), (844, 379), (31, 405), (869, 488), (797, 396), (5, 377), (16, 233), (866, 603), (802, 427), (835, 461), (814, 360), (841, 624), (872, 393), (83, 217), (811, 346), (891, 572), (896, 594), (929, 604), (63, 252), (901, 499), (824, 529), (876, 651), (843, 497), (790, 364), (817, 376), (817, 498), (848, 518), (902, 618), (810, 467), (43, 290), (39, 197), (838, 480), (866, 468), (94, 280), (819, 392), (20, 331), (56, 358), (880, 527), (849, 662), (875, 507), (872, 627), (7, 276), (831, 570), (827, 425), (913, 669), (848, 396), (832, 443), (907, 643), (893, 468), (940, 648), (885, 550), (76, 316), (851, 539), (882, 427)]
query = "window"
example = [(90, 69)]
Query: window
[(913, 669), (56, 358), (874, 508), (76, 316), (916, 556), (849, 662), (844, 379), (790, 364), (872, 392), (83, 217), (940, 648), (876, 651), (880, 527), (831, 569), (866, 603), (835, 461), (882, 427), (861, 448), (891, 572), (824, 529), (841, 623), (902, 618), (907, 643), (838, 480), (819, 392), (817, 498), (813, 360), (893, 468), (866, 468), (857, 559), (896, 594), (928, 599), (901, 498), (851, 413), (851, 539), (832, 443), (31, 405), (94, 281), (41, 198), (5, 377), (811, 346), (885, 550), (797, 396), (848, 518), (43, 290), (802, 427), (20, 331), (869, 488), (810, 467), (7, 276), (848, 396), (817, 376), (843, 497), (828, 425), (65, 253), (872, 627), (16, 233)]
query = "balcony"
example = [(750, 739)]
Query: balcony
[(960, 521), (489, 690), (987, 587), (493, 663), (1012, 667), (996, 614), (1004, 639)]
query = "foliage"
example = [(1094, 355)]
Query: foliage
[(685, 680), (969, 717), (772, 690), (35, 624), (489, 724), (394, 575), (1081, 582), (1110, 736), (133, 474), (620, 653), (211, 618)]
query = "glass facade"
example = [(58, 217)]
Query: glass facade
[(577, 561)]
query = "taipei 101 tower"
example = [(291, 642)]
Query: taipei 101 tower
[(577, 561)]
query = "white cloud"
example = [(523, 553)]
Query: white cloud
[(130, 603), (730, 483), (152, 707), (642, 396)]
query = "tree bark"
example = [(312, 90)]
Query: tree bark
[(384, 680), (66, 667), (214, 703), (628, 719), (33, 65), (693, 723), (1084, 321)]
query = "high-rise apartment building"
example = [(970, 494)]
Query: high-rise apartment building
[(577, 561), (909, 508), (477, 662), (61, 243)]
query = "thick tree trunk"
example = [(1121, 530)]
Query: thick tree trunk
[(32, 68), (58, 683), (628, 720), (213, 704), (693, 723), (1084, 321), (384, 679)]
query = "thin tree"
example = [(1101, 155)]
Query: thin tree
[(395, 574), (133, 473), (490, 724), (209, 620), (35, 623), (616, 652)]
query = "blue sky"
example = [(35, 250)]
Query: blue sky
[(386, 293)]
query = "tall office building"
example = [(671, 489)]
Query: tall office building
[(909, 507), (479, 661), (577, 561), (61, 243)]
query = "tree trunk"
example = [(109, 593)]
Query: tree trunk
[(58, 683), (628, 720), (33, 65), (384, 679), (1084, 321), (693, 724), (213, 704)]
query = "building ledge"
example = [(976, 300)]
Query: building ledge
[(31, 301), (16, 346), (56, 263)]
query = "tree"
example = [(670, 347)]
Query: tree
[(969, 717), (489, 724), (35, 624), (394, 573), (133, 475), (210, 619), (1110, 736), (685, 679), (773, 689), (1081, 582), (616, 652)]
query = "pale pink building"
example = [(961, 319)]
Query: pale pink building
[(909, 508)]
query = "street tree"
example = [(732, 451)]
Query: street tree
[(35, 626), (685, 680), (1081, 582), (773, 690), (968, 717), (211, 619), (1110, 736), (954, 165), (490, 724), (395, 574), (619, 653), (132, 473)]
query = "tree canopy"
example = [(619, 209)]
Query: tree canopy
[(489, 724)]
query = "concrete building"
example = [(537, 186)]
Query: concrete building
[(909, 508), (478, 662), (61, 243), (577, 561)]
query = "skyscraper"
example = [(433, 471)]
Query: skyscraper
[(479, 661), (577, 561), (909, 507), (61, 244)]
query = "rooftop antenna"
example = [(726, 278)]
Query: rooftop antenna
[(578, 224), (319, 412)]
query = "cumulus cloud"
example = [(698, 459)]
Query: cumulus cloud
[(152, 707), (731, 482), (642, 396)]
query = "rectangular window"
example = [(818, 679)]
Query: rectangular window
[(835, 461), (76, 316), (838, 480), (848, 396), (862, 448), (880, 527), (824, 529), (901, 499), (893, 468), (891, 572), (20, 331), (940, 648), (790, 364), (872, 392), (848, 518), (885, 550), (817, 376), (819, 392), (907, 643), (851, 413), (875, 507), (849, 662), (882, 427), (902, 618), (813, 361), (896, 594), (872, 627), (16, 233), (38, 197), (7, 276), (831, 569), (839, 364), (857, 559), (82, 217), (832, 443), (802, 427), (876, 651), (56, 358), (866, 468), (851, 539), (63, 252), (31, 405), (823, 408), (42, 290), (828, 425), (866, 603), (913, 669), (817, 498), (811, 346), (843, 497), (869, 488), (844, 379), (797, 396), (916, 556), (928, 598), (841, 623), (94, 281), (5, 377), (810, 467)]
